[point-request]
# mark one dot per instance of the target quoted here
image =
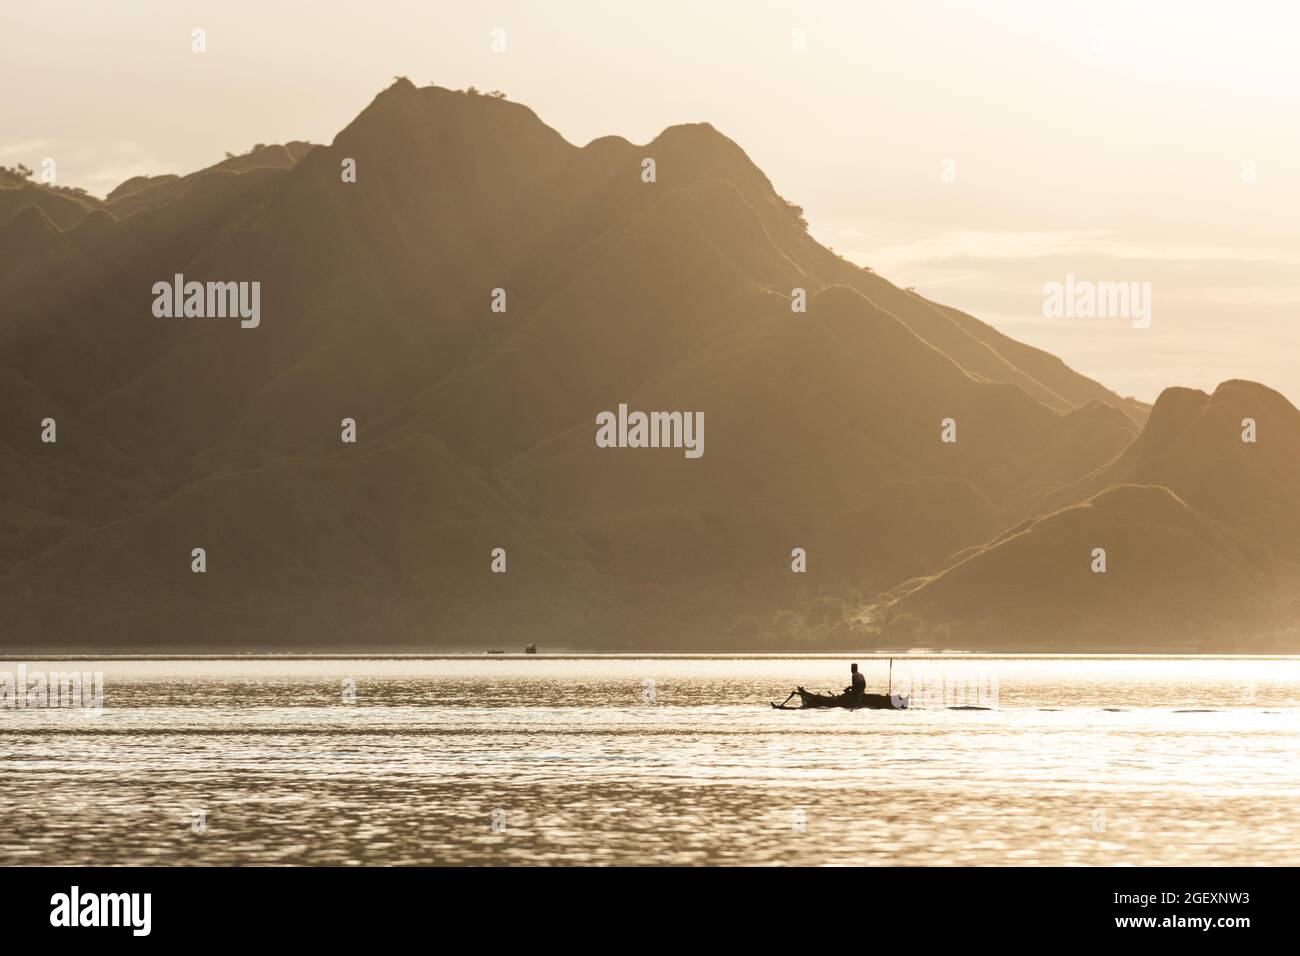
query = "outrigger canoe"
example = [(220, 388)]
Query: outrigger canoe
[(808, 700)]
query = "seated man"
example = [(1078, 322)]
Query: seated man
[(859, 685)]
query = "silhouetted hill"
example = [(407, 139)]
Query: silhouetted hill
[(1193, 445), (1174, 580), (476, 429)]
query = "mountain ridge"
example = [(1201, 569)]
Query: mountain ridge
[(475, 428)]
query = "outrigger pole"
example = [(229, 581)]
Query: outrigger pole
[(781, 706)]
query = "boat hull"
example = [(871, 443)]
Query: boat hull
[(811, 701)]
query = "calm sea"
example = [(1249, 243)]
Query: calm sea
[(539, 760)]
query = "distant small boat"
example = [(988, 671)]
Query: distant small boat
[(530, 649), (809, 701), (495, 651)]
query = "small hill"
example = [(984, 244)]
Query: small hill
[(1174, 580), (1193, 445)]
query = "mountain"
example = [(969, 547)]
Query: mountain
[(476, 428), (1193, 445), (1174, 580)]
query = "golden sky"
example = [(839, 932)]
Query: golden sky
[(1155, 142)]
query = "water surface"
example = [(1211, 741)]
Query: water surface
[(538, 760)]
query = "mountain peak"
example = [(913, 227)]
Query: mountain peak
[(466, 120), (694, 133), (30, 224), (1178, 409), (1244, 391), (708, 150)]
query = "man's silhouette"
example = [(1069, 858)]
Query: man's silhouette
[(858, 687)]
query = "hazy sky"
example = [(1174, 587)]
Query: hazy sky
[(1155, 142)]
